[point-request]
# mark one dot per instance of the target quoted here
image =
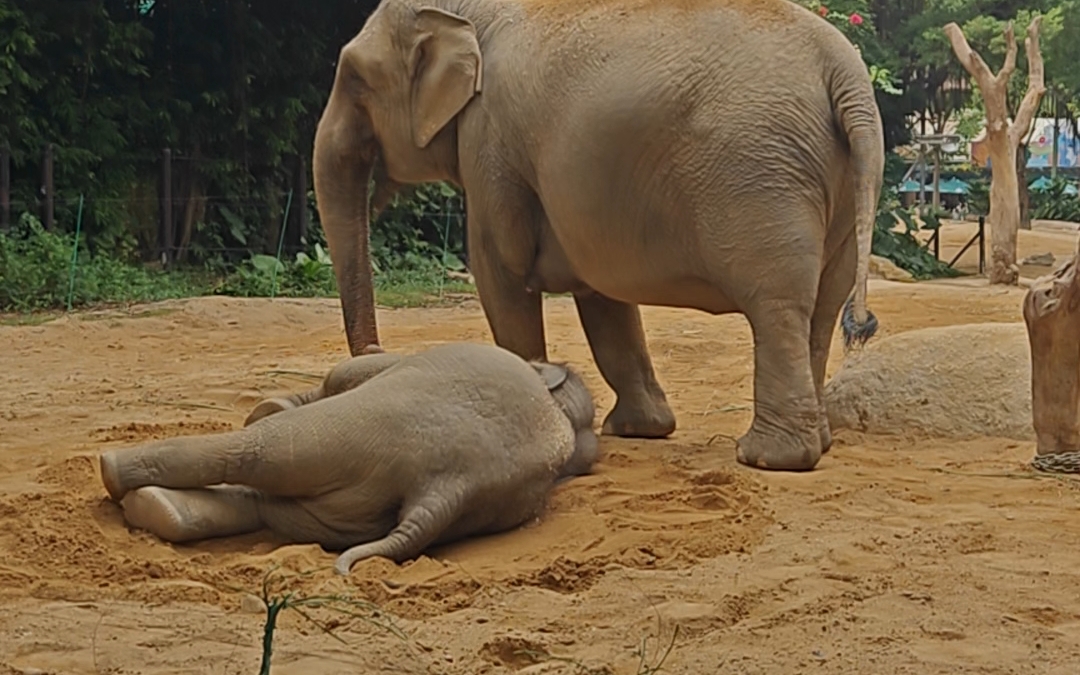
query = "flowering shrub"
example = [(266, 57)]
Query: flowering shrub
[(852, 18)]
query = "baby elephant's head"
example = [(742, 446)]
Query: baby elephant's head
[(573, 397)]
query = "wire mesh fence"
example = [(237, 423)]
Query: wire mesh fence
[(266, 244)]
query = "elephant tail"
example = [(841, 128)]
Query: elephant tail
[(858, 116)]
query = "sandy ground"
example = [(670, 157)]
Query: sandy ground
[(898, 555)]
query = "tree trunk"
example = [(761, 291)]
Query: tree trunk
[(1023, 197), (1052, 315), (1003, 138), (1004, 216)]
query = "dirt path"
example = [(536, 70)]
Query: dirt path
[(897, 556)]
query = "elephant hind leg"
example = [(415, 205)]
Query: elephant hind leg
[(784, 432), (421, 525), (178, 515), (182, 462), (836, 281)]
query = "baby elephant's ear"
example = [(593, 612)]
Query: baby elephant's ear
[(552, 374)]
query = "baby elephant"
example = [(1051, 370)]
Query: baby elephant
[(390, 455)]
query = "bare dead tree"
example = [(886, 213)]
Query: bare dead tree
[(1003, 137)]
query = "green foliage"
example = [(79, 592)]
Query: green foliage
[(854, 18), (417, 228), (902, 246), (236, 88), (35, 267), (1053, 202), (978, 197), (263, 275)]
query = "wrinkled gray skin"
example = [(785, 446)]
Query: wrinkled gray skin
[(390, 455), (721, 155)]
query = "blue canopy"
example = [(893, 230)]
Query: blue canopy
[(1043, 183), (948, 186)]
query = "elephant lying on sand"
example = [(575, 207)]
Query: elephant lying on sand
[(391, 454), (721, 155)]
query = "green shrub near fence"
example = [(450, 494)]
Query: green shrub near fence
[(35, 273)]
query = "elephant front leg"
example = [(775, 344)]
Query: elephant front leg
[(179, 516), (617, 340), (515, 314), (784, 434), (345, 376)]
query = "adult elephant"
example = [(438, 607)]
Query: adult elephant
[(722, 155)]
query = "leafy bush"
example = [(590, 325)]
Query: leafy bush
[(978, 197), (264, 276), (1053, 202), (902, 247), (418, 228), (35, 273)]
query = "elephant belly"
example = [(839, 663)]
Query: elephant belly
[(551, 271), (609, 265), (335, 520), (618, 260)]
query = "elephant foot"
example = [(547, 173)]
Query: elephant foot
[(150, 508), (825, 432), (110, 475), (647, 418), (179, 516), (778, 449), (269, 407)]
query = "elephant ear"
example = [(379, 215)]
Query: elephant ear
[(552, 374), (446, 71)]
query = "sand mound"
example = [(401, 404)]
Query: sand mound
[(953, 381)]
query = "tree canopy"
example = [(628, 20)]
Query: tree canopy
[(235, 89)]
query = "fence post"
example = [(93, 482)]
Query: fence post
[(47, 192), (300, 189), (982, 244), (165, 227), (5, 188)]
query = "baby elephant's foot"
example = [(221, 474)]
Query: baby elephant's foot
[(644, 417), (179, 516), (111, 475), (780, 449)]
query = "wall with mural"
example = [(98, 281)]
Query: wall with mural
[(1040, 146)]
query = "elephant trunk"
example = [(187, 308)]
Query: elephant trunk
[(344, 161)]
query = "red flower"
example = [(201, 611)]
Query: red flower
[(823, 10), (855, 20)]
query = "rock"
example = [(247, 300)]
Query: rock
[(250, 604), (883, 268), (946, 382), (467, 277), (942, 629), (1042, 259)]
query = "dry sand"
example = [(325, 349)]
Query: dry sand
[(898, 555)]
